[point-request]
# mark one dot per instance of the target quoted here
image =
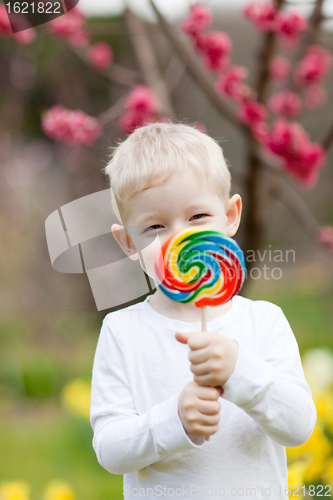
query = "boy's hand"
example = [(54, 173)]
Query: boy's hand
[(213, 356), (199, 409)]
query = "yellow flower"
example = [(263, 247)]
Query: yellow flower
[(296, 472), (314, 471), (76, 397), (14, 490), (57, 490), (324, 405), (328, 474), (317, 446)]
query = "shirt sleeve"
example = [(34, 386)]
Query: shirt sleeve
[(124, 441), (272, 389)]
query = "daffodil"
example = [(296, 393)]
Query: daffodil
[(14, 490), (58, 490), (76, 397), (317, 446), (324, 405), (296, 472), (327, 478), (314, 471)]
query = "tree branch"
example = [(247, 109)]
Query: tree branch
[(258, 188), (328, 139), (147, 61), (303, 2), (194, 66), (265, 55), (308, 38), (115, 28), (298, 207), (174, 72), (113, 112), (292, 200), (116, 73)]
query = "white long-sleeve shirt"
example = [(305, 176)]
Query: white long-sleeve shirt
[(139, 371)]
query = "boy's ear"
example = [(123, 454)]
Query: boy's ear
[(124, 241), (234, 212)]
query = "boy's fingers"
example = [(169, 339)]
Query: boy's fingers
[(182, 337), (208, 393), (195, 340), (209, 407), (198, 340)]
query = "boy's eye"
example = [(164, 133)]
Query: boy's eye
[(198, 216), (155, 226)]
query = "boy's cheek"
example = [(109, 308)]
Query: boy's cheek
[(148, 258)]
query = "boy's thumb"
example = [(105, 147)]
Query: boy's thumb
[(182, 337)]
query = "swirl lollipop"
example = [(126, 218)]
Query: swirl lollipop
[(200, 265)]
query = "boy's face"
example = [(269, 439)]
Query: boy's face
[(184, 201)]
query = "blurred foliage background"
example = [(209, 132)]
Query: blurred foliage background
[(49, 325)]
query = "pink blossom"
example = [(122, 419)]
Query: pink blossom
[(142, 100), (100, 55), (287, 137), (80, 38), (66, 24), (141, 105), (62, 124), (290, 25), (314, 66), (70, 26), (285, 103), (313, 154), (25, 37), (216, 48), (5, 27), (302, 158), (314, 96), (279, 69), (262, 15), (261, 132), (198, 41), (199, 19), (325, 237), (201, 127), (132, 119), (83, 129), (231, 82), (54, 122), (252, 112)]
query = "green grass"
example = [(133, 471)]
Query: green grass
[(57, 447), (309, 310)]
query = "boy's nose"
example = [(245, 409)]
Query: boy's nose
[(178, 227)]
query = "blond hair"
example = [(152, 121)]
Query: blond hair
[(151, 154)]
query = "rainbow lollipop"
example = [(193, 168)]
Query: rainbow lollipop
[(200, 265)]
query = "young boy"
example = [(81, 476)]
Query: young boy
[(160, 384)]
